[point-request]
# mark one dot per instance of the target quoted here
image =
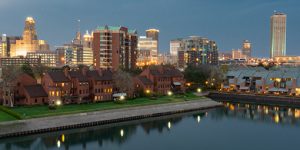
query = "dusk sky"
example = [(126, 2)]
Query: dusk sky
[(228, 22)]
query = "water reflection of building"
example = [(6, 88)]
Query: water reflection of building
[(96, 136), (270, 114)]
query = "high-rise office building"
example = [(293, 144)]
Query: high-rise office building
[(154, 34), (246, 48), (5, 44), (175, 46), (114, 47), (147, 51), (197, 50), (78, 52), (278, 34), (47, 58), (29, 41)]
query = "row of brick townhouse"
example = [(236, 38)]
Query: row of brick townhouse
[(84, 85), (78, 86), (160, 80)]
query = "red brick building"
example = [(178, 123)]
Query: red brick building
[(101, 85), (25, 91), (79, 86), (58, 86), (161, 80), (35, 95), (114, 47)]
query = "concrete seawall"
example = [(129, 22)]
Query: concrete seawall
[(258, 99), (57, 123)]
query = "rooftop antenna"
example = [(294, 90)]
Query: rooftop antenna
[(78, 25)]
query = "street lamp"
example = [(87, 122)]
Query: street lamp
[(170, 93), (148, 91), (199, 90), (58, 102)]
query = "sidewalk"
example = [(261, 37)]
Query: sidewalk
[(55, 123)]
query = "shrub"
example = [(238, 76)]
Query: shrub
[(52, 107), (10, 112), (120, 101)]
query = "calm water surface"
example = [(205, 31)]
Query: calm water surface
[(234, 127)]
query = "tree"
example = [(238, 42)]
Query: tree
[(26, 68), (9, 75), (123, 81), (39, 71), (204, 75)]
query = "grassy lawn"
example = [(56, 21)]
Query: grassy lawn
[(43, 111), (6, 117)]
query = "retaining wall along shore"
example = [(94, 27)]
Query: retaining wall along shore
[(57, 123)]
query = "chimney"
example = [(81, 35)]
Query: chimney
[(66, 71)]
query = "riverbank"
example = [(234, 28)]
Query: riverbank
[(63, 122), (28, 112), (257, 99)]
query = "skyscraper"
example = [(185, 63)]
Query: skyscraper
[(278, 34), (29, 41), (147, 51), (246, 48), (154, 34)]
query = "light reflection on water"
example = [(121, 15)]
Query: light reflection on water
[(208, 127)]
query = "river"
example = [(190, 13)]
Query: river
[(234, 127)]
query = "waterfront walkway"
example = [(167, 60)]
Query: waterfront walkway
[(56, 123)]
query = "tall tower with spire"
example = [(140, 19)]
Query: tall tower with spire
[(29, 41), (29, 32)]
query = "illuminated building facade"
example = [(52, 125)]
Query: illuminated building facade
[(18, 61), (5, 44), (278, 34), (79, 52), (246, 48), (175, 46), (197, 50), (147, 51), (114, 47), (48, 58), (238, 54), (154, 35), (29, 41)]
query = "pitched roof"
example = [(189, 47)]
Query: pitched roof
[(165, 72), (35, 91), (78, 75), (104, 76), (144, 80), (58, 76)]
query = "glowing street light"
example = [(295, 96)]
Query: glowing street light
[(199, 90), (58, 102), (170, 93), (148, 91)]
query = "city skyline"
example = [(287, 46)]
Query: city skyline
[(58, 25)]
